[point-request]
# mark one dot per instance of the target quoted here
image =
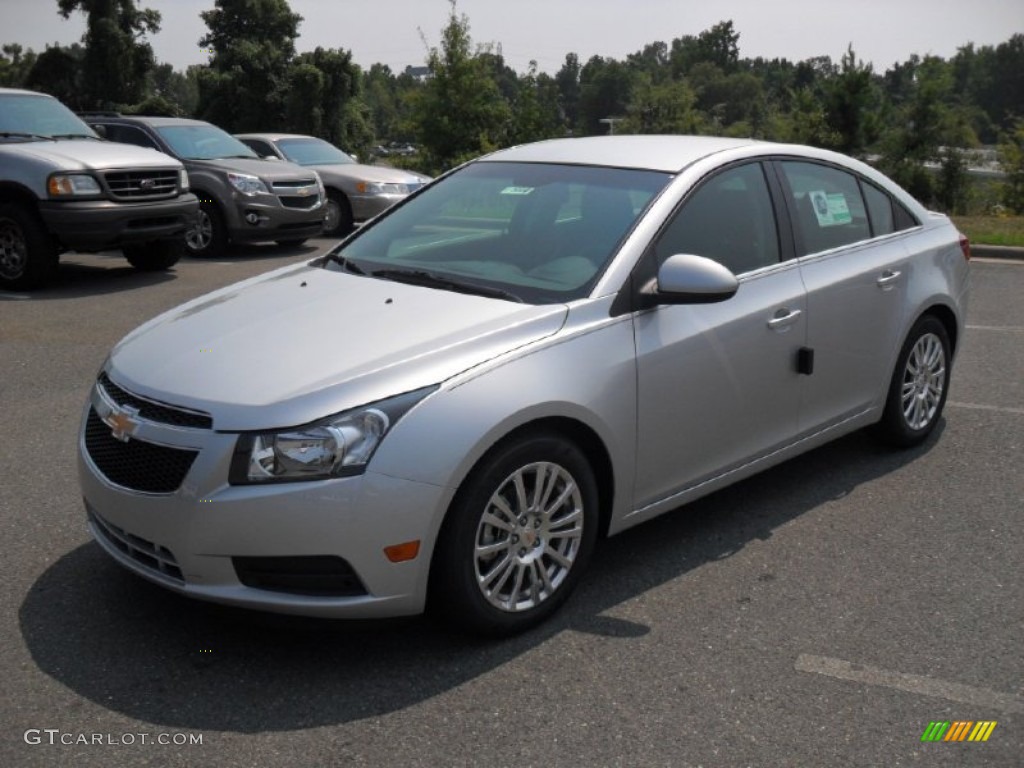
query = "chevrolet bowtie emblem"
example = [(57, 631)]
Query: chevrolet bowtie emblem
[(122, 422)]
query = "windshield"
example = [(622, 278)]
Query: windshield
[(543, 233), (313, 152), (203, 142), (41, 116)]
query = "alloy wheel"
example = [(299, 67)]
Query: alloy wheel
[(923, 381)]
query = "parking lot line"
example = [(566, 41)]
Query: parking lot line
[(1010, 328), (981, 407), (919, 684)]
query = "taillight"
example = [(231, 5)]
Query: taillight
[(965, 246)]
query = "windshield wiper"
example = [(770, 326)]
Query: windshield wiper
[(76, 136), (345, 262), (429, 279), (20, 135)]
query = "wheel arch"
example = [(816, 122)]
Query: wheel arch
[(16, 193), (948, 318)]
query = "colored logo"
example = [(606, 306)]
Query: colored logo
[(958, 730), (121, 422)]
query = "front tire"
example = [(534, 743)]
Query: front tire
[(154, 257), (517, 538), (208, 234), (338, 221), (28, 255), (920, 383)]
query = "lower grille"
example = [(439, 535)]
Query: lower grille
[(314, 575), (145, 553), (304, 203), (136, 465)]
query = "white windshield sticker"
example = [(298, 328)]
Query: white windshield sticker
[(517, 190), (831, 209)]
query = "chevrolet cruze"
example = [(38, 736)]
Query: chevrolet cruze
[(550, 344)]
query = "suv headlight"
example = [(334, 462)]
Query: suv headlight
[(72, 185), (338, 446), (246, 184)]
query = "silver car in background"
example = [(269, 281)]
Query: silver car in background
[(553, 343), (355, 192)]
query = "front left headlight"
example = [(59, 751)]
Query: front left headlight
[(338, 446), (247, 184)]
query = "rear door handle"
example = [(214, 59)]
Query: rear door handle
[(784, 318), (888, 279)]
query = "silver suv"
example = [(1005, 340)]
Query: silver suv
[(242, 197), (64, 188)]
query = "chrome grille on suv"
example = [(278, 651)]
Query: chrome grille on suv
[(152, 411), (136, 465), (142, 185)]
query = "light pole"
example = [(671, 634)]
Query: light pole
[(610, 122)]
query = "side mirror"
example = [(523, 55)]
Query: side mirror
[(689, 279), (101, 130)]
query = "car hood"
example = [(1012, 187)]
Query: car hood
[(265, 169), (302, 343), (85, 154), (372, 173)]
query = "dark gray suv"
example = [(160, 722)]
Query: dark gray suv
[(242, 198)]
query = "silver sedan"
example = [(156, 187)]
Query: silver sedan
[(551, 344), (355, 192)]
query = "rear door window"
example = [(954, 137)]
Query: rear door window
[(827, 207)]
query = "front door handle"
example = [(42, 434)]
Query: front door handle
[(784, 318), (888, 279)]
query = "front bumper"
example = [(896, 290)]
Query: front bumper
[(191, 540), (263, 217), (365, 207), (94, 225)]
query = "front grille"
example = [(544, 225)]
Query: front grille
[(142, 185), (136, 465), (304, 203), (284, 187), (146, 553), (151, 411), (314, 575)]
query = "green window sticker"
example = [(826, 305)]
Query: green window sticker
[(831, 209), (517, 190)]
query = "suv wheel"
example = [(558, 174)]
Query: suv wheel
[(208, 234), (28, 255), (154, 257)]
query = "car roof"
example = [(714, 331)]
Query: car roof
[(23, 92), (145, 119), (273, 136), (656, 153)]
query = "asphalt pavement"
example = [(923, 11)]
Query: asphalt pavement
[(823, 613)]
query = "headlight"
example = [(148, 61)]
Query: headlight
[(372, 188), (72, 185), (246, 184), (334, 447), (183, 180)]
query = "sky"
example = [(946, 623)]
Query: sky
[(392, 32)]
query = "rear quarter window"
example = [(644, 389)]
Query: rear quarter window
[(827, 206)]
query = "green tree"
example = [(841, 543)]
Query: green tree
[(57, 71), (606, 91), (460, 113), (1011, 157), (851, 105), (246, 85), (15, 64), (117, 59), (535, 113), (568, 81), (665, 107)]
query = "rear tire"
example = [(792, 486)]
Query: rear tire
[(208, 234), (154, 257), (28, 255), (920, 382), (517, 537)]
